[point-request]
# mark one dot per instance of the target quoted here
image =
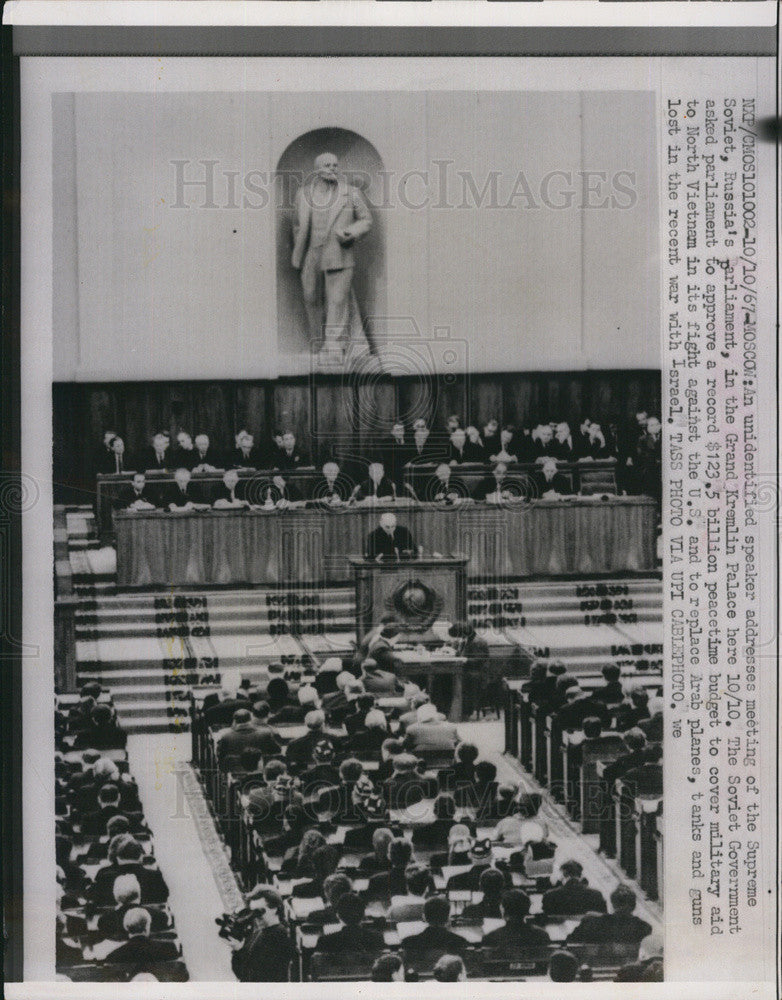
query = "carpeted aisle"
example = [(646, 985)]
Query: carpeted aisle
[(188, 850)]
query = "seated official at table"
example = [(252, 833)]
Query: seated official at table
[(231, 492), (206, 458), (474, 449), (288, 456), (157, 457), (549, 483), (245, 454), (280, 492), (137, 496), (183, 454), (182, 494), (330, 488), (457, 449), (444, 486), (389, 539), (508, 450), (376, 485), (495, 488)]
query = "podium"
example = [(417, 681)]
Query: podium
[(417, 592)]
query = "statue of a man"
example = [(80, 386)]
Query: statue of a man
[(330, 216)]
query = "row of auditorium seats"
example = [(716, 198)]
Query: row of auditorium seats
[(600, 754), (355, 869), (113, 919)]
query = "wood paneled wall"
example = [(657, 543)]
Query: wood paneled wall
[(330, 415)]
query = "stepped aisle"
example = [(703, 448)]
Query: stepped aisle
[(150, 648)]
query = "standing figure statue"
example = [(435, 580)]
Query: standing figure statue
[(330, 216)]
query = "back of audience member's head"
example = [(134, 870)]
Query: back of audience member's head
[(399, 852), (323, 752), (437, 910), (592, 727), (485, 772), (466, 753), (334, 887), (242, 717), (137, 921), (529, 804), (117, 824), (127, 848), (277, 691), (611, 672), (315, 720), (108, 794), (571, 868), (92, 689), (381, 841), (351, 909), (563, 966), (557, 668), (350, 770), (294, 818), (388, 968), (310, 841), (324, 861), (375, 719), (272, 769), (634, 739), (444, 806), (391, 747), (261, 710), (491, 883), (418, 880), (506, 798), (105, 769), (639, 696), (515, 905), (449, 969), (126, 889), (307, 695), (623, 899)]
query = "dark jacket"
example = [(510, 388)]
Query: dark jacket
[(110, 923), (173, 494), (351, 939), (143, 951), (384, 885), (385, 488), (380, 543), (234, 740), (436, 939), (151, 881), (573, 897), (128, 495), (516, 935), (265, 956), (619, 927)]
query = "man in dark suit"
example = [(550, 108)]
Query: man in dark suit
[(206, 458), (140, 950), (244, 733), (573, 895), (183, 454), (116, 460), (182, 494), (376, 485), (516, 932), (245, 454), (423, 449), (389, 539), (137, 496), (496, 486), (280, 492), (157, 457), (580, 706), (289, 456), (330, 488), (231, 492), (549, 483), (129, 855), (436, 937), (443, 486), (457, 449), (396, 454), (299, 751), (620, 926), (127, 896), (351, 937), (103, 459)]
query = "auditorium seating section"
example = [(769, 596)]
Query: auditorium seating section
[(627, 816), (85, 900), (249, 833)]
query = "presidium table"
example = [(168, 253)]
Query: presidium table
[(575, 537)]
